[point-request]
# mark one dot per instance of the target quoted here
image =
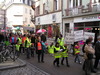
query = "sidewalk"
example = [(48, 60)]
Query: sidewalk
[(12, 64)]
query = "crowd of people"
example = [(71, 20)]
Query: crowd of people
[(34, 43)]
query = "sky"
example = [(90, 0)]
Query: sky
[(1, 1)]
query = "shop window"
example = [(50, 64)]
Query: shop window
[(67, 27)]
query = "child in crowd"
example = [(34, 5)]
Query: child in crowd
[(64, 55), (77, 52), (51, 48)]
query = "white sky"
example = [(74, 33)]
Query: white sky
[(1, 1)]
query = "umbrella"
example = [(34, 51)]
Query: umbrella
[(41, 30)]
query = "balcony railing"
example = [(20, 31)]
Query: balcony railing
[(94, 7)]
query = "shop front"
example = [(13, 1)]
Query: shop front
[(52, 29), (88, 23), (50, 22)]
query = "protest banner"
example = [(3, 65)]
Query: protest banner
[(89, 34), (69, 38), (78, 35)]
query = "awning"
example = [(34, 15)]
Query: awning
[(28, 28)]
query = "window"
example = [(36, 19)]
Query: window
[(38, 9), (55, 5), (73, 3), (44, 8), (94, 1), (76, 3), (80, 2), (23, 1), (28, 2), (30, 12), (25, 10), (26, 20)]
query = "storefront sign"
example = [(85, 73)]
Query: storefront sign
[(69, 38), (89, 34), (88, 18), (78, 35)]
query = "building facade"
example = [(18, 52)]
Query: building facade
[(48, 15), (2, 18), (81, 15), (19, 14)]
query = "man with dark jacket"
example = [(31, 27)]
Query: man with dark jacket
[(34, 43), (43, 38), (1, 37), (97, 52)]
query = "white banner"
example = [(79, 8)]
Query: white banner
[(89, 34), (78, 35), (69, 38)]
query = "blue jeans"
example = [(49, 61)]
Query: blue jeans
[(77, 58)]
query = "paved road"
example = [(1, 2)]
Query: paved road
[(46, 68), (27, 70), (75, 69)]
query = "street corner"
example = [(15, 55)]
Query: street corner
[(12, 64)]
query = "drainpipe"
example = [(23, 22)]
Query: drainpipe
[(62, 17)]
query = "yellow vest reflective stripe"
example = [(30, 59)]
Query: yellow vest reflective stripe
[(19, 41), (58, 54), (61, 41), (65, 53), (77, 50), (51, 49), (17, 47), (28, 43)]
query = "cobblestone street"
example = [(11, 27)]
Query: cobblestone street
[(27, 70)]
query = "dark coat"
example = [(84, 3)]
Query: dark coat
[(43, 38), (97, 48), (1, 37)]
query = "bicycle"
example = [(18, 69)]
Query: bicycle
[(13, 53), (8, 52)]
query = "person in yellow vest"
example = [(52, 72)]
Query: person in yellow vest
[(61, 40), (17, 47), (19, 41), (57, 54), (51, 48), (77, 52), (27, 46), (64, 55)]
